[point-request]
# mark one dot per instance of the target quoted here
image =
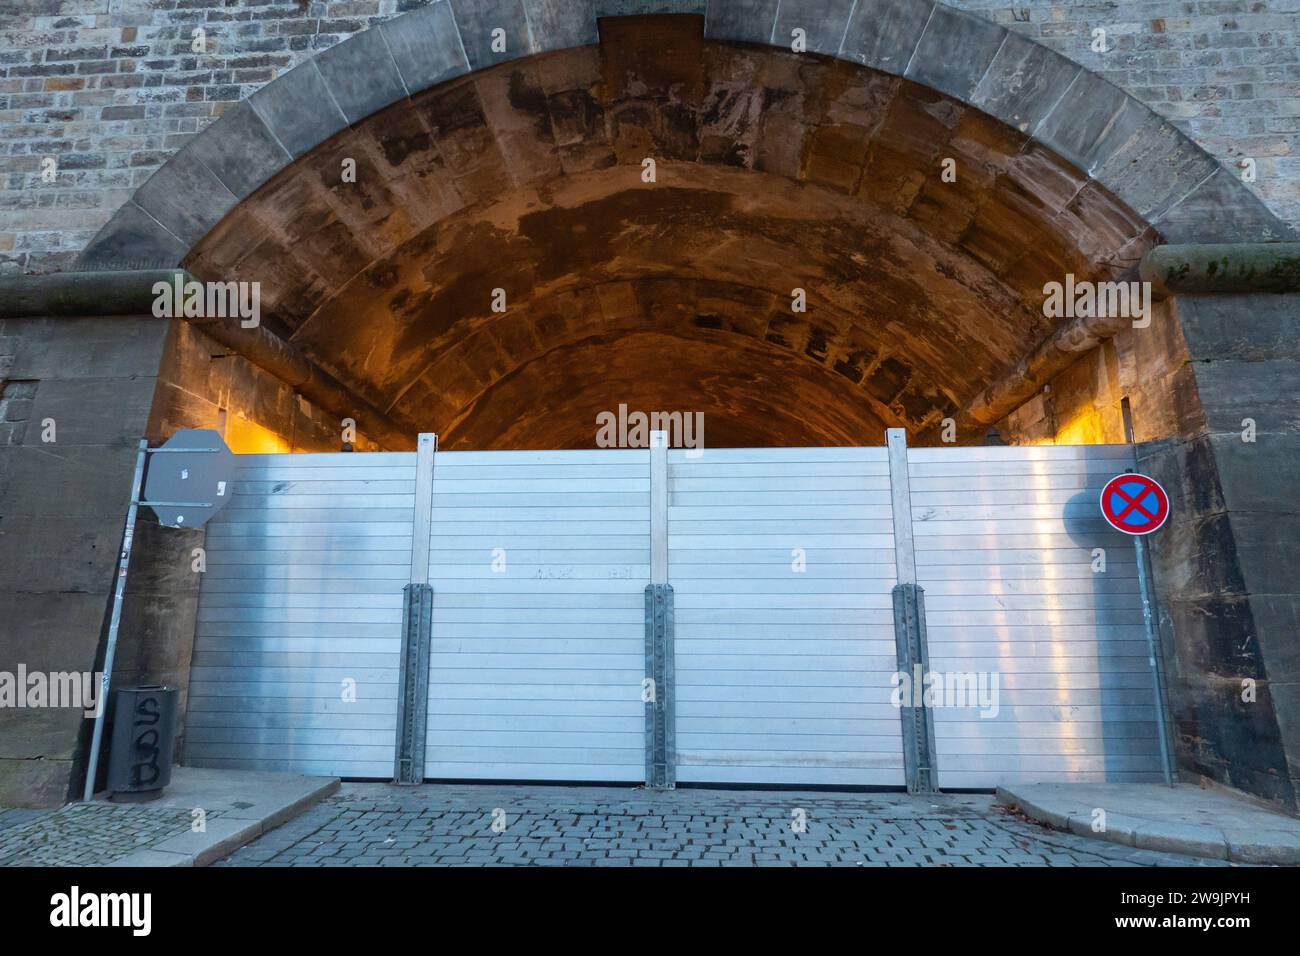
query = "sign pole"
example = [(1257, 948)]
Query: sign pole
[(114, 621)]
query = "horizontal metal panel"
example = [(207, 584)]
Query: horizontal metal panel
[(231, 633), (541, 755), (488, 568), (754, 677), (795, 615), (1051, 763), (1113, 715), (746, 472), (486, 769), (344, 753), (732, 595), (710, 642), (487, 621), (277, 598), (688, 559), (1035, 632), (252, 674), (780, 733), (309, 687), (679, 541), (302, 720), (797, 758), (1012, 603), (495, 693), (627, 719), (936, 575), (808, 511), (811, 744), (328, 553), (1019, 618), (511, 459), (864, 576), (786, 455), (592, 544), (622, 743), (495, 712), (711, 772), (989, 779), (791, 665), (446, 470), (335, 767), (348, 658), (1099, 586), (1046, 729), (755, 592), (791, 485), (448, 483), (450, 559), (610, 677), (579, 512), (635, 502), (230, 533), (719, 696), (594, 640), (1012, 469), (614, 662), (300, 615), (394, 483), (287, 738), (225, 705), (743, 495), (988, 454), (1056, 746)]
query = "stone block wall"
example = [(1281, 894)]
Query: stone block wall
[(62, 505), (112, 88), (1214, 387), (103, 382)]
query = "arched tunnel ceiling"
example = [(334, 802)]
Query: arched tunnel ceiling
[(774, 171)]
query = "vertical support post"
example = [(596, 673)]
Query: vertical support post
[(425, 450), (909, 627), (413, 684), (1148, 619), (417, 628), (658, 507), (658, 689), (115, 621)]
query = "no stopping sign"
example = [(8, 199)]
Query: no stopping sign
[(1134, 504)]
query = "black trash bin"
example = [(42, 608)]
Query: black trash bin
[(140, 746)]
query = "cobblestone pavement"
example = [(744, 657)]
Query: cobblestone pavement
[(434, 825), (85, 834)]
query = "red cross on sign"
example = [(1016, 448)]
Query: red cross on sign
[(1134, 504)]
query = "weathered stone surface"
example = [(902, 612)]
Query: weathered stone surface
[(361, 75), (1023, 83), (883, 34), (133, 239), (242, 152), (954, 52), (426, 46), (299, 109), (186, 198), (1221, 209)]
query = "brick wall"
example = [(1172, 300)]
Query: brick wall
[(111, 88)]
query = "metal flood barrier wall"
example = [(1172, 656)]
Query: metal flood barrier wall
[(749, 616)]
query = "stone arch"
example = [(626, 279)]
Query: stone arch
[(1117, 141)]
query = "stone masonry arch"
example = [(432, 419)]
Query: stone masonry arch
[(1136, 154)]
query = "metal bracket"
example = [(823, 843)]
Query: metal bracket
[(413, 683), (660, 704), (914, 661)]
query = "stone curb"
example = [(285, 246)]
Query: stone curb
[(1276, 848), (223, 835)]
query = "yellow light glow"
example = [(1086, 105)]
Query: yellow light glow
[(249, 438)]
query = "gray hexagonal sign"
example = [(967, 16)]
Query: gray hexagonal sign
[(189, 478)]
